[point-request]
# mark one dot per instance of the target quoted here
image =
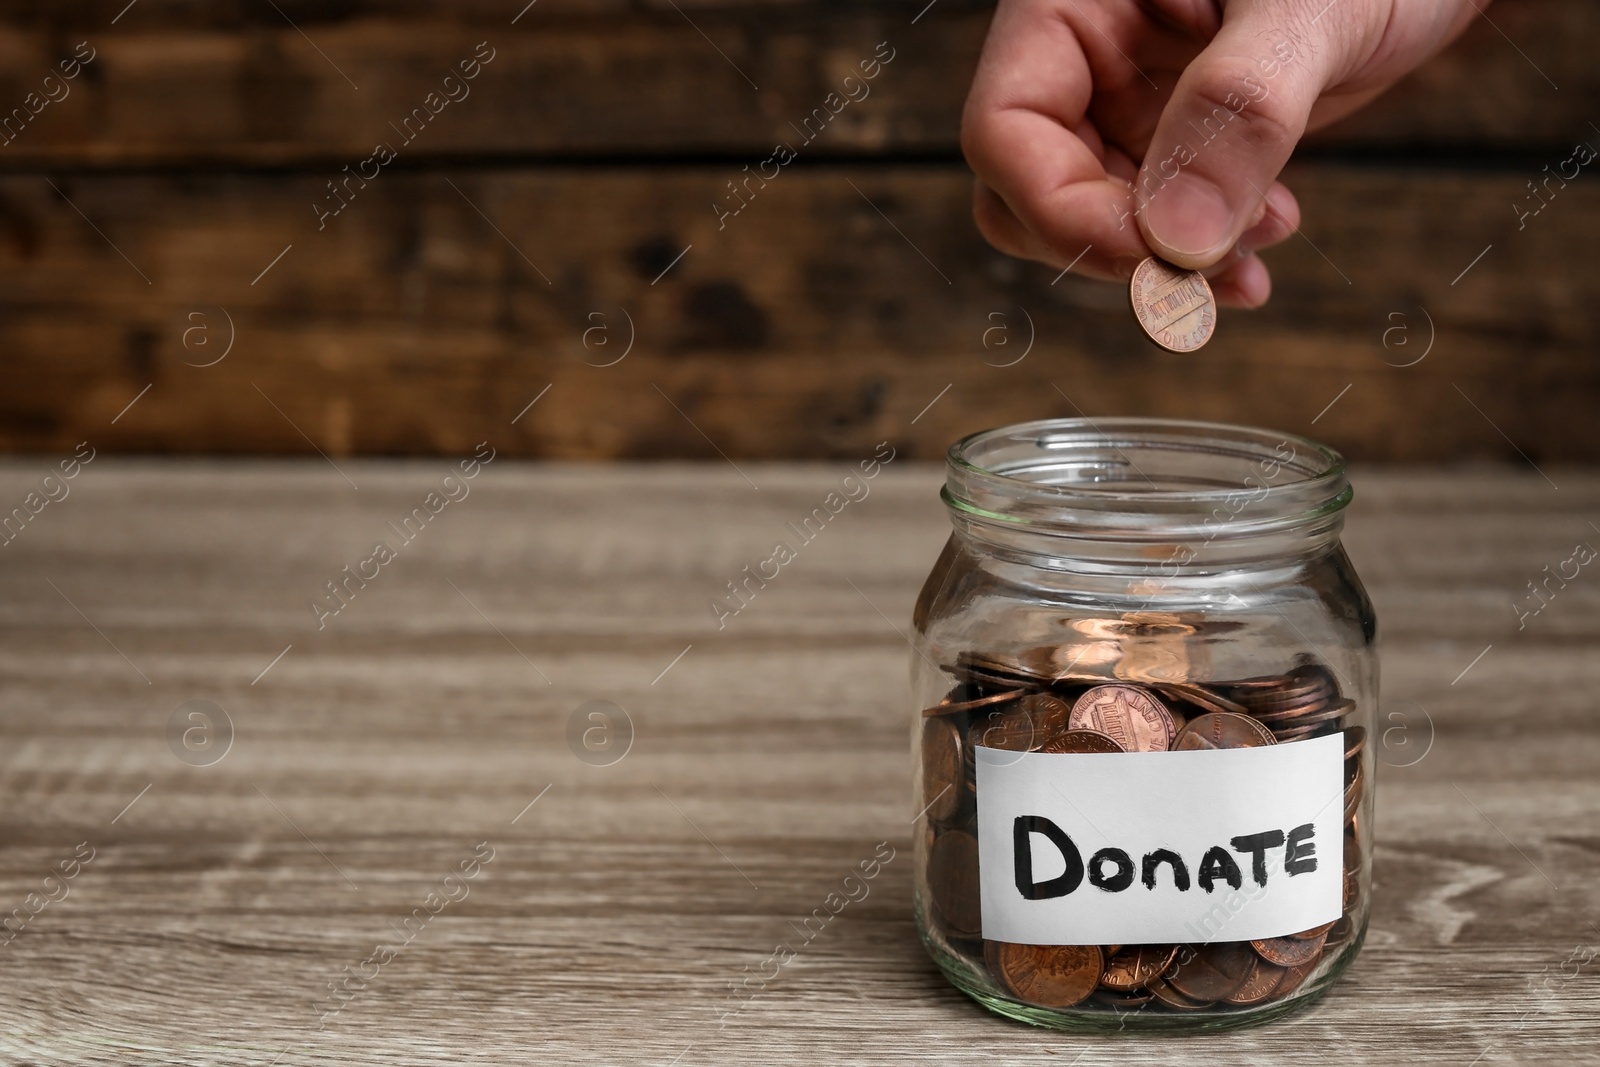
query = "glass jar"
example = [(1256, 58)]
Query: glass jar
[(1145, 676)]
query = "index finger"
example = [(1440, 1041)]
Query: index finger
[(1031, 92)]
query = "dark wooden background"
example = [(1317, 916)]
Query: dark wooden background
[(140, 214)]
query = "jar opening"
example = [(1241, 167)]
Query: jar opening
[(1139, 479)]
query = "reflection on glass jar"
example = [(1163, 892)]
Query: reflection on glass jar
[(1145, 677)]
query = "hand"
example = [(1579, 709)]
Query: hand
[(1105, 131)]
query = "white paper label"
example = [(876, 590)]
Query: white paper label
[(1130, 848)]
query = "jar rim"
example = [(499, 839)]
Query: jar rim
[(1081, 475)]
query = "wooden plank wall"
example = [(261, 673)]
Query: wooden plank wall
[(161, 211)]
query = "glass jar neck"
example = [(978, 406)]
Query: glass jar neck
[(1145, 496)]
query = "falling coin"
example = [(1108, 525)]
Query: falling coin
[(1174, 306)]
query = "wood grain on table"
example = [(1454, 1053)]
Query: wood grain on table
[(372, 758)]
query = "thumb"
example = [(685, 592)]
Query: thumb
[(1233, 119)]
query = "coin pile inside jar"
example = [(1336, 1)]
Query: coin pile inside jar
[(1023, 704)]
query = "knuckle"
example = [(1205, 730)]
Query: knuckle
[(1231, 98)]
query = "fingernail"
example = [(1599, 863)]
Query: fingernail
[(1189, 216)]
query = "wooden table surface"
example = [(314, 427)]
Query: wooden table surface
[(209, 907)]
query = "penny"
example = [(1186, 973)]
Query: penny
[(997, 664), (1315, 931), (944, 768), (1289, 951), (1174, 306), (1051, 976), (1355, 737), (1082, 741), (994, 681), (1293, 978), (1352, 794), (953, 882), (1222, 729), (1265, 681), (956, 707), (1259, 986), (1136, 965), (1010, 729), (1024, 726), (1051, 715), (1289, 737), (1305, 715), (1213, 971), (1169, 997), (1134, 719), (1199, 696)]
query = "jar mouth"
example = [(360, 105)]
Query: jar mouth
[(1145, 479)]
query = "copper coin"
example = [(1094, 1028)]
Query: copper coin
[(994, 682), (944, 768), (1051, 976), (1011, 729), (1289, 951), (953, 882), (1199, 696), (1214, 971), (1352, 794), (1259, 986), (1315, 931), (1133, 718), (1296, 717), (1293, 978), (1174, 306), (1050, 714), (1136, 965), (956, 707), (1289, 737), (1169, 997), (1266, 681), (997, 664), (1024, 726), (1303, 714), (1355, 738), (1222, 729), (1082, 741)]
